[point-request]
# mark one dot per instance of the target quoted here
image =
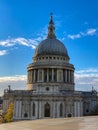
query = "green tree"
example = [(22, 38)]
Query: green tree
[(9, 115)]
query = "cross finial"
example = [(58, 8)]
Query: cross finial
[(51, 14)]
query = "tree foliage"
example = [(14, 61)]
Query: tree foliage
[(9, 115)]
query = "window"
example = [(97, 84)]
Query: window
[(25, 115), (50, 75), (33, 109), (47, 110), (55, 74), (47, 88), (61, 110), (45, 75), (64, 75)]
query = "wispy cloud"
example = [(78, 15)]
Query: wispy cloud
[(3, 52), (17, 82), (91, 31), (88, 32), (13, 78), (85, 71), (85, 79), (20, 41), (74, 36), (12, 43)]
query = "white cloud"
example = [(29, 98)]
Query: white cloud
[(91, 31), (85, 79), (17, 82), (29, 42), (20, 41), (90, 70), (13, 78), (88, 32), (74, 36), (3, 52)]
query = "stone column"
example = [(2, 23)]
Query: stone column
[(47, 75), (52, 75), (40, 109), (28, 76), (36, 109), (72, 76), (78, 108), (69, 76), (53, 109), (58, 104), (34, 75), (31, 76), (38, 75), (57, 75), (20, 104), (62, 76), (81, 108), (66, 76), (43, 75)]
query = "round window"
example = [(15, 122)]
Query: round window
[(47, 88)]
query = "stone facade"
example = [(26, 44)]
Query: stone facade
[(50, 85)]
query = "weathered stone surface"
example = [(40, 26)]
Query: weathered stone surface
[(80, 123)]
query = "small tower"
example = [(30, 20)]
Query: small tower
[(51, 28)]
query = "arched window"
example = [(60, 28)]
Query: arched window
[(33, 109), (47, 110), (25, 115), (61, 110)]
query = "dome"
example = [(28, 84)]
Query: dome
[(51, 46)]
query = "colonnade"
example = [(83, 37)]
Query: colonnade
[(51, 75)]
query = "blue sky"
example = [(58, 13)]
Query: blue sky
[(23, 24)]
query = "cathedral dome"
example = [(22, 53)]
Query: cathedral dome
[(51, 45)]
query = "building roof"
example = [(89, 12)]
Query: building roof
[(51, 45)]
